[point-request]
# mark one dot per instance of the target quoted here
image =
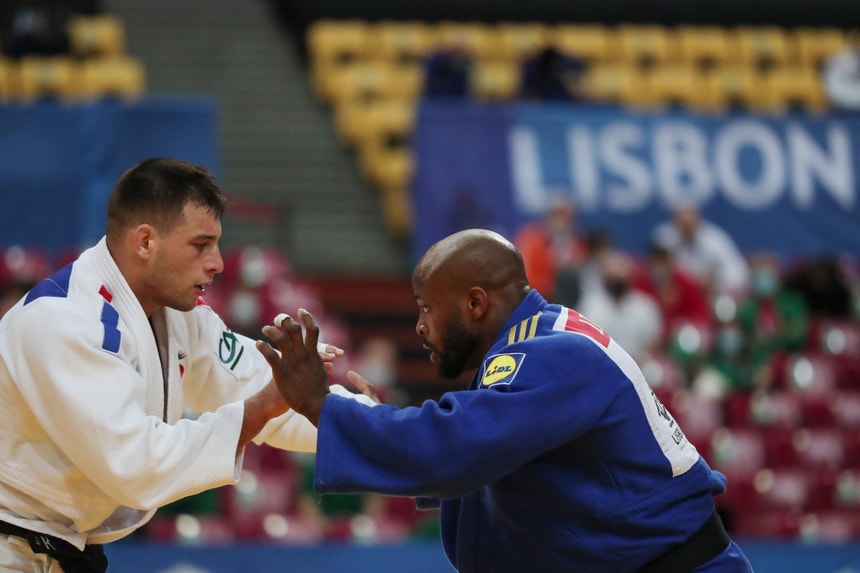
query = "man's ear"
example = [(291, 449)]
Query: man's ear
[(477, 302), (143, 237)]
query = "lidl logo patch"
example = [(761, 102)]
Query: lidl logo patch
[(502, 368)]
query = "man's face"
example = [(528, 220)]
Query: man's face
[(185, 259), (446, 334)]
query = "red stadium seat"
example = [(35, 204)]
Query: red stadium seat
[(777, 409), (739, 453), (845, 407), (768, 523), (819, 447)]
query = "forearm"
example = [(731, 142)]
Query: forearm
[(259, 409)]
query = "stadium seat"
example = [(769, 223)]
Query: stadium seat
[(387, 166), (830, 526), (6, 79), (788, 87), (401, 42), (476, 39), (811, 373), (614, 83), (642, 46), (519, 41), (766, 524), (778, 409), (335, 42), (782, 488), (730, 87), (49, 77), (819, 447), (494, 80), (760, 47), (112, 77), (845, 407), (358, 122), (846, 493), (814, 45), (589, 42), (673, 85), (699, 417), (370, 79), (739, 452), (703, 46), (97, 36)]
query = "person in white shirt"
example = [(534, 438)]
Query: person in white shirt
[(629, 316), (705, 251), (97, 364)]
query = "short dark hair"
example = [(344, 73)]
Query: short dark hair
[(156, 191)]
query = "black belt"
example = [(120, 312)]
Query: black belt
[(73, 560), (708, 542)]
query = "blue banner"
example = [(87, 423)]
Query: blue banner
[(788, 184), (60, 162)]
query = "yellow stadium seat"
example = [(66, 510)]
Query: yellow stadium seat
[(640, 45), (474, 38), (397, 211), (731, 87), (673, 84), (113, 77), (387, 166), (332, 42), (585, 41), (50, 77), (793, 86), (97, 36), (494, 80), (369, 80), (6, 78), (814, 45), (401, 42), (703, 46), (616, 83), (359, 122), (762, 47), (517, 42)]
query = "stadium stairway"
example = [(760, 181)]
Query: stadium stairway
[(277, 143)]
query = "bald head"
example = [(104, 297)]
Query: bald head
[(474, 257), (466, 286)]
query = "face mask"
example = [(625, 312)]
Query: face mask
[(764, 283), (616, 288), (729, 341)]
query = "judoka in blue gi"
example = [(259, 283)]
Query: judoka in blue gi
[(557, 458)]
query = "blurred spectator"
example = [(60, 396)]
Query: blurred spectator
[(841, 78), (20, 270), (682, 300), (447, 72), (551, 75), (629, 316), (377, 361), (824, 287), (704, 251), (552, 249), (728, 367), (36, 27), (598, 244), (773, 319)]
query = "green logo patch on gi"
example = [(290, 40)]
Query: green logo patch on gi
[(229, 349), (502, 368)]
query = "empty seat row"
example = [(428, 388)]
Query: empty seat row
[(69, 79), (331, 41)]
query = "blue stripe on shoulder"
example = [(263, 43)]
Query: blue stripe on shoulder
[(56, 285), (110, 320)]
